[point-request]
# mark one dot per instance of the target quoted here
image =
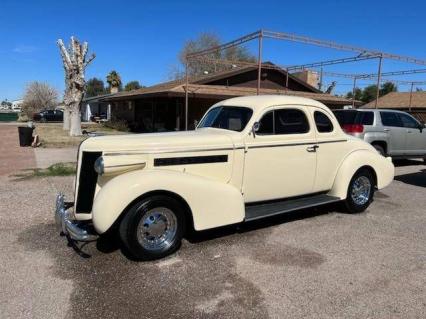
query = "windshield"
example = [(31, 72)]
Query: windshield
[(232, 118)]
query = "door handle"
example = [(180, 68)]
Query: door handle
[(408, 131), (312, 148), (386, 130)]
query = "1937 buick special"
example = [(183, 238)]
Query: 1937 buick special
[(249, 158)]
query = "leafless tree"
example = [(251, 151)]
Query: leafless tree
[(75, 61), (39, 96), (204, 41)]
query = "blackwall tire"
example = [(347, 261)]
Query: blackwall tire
[(360, 191), (153, 227), (380, 149)]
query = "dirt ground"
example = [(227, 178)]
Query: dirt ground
[(316, 263)]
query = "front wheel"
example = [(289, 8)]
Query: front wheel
[(360, 191), (153, 227)]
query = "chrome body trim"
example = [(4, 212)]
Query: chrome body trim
[(295, 144)]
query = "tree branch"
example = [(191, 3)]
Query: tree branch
[(90, 59), (65, 55)]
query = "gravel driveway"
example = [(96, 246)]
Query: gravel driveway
[(310, 264)]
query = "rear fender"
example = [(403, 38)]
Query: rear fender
[(212, 203), (382, 166)]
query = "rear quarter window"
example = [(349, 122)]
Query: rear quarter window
[(354, 117)]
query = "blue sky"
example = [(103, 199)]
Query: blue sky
[(141, 39)]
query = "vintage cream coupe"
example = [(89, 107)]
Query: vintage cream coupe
[(249, 158)]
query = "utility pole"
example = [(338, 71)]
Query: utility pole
[(379, 77), (353, 93), (186, 94), (411, 96)]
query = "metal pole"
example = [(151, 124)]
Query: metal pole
[(186, 94), (353, 93), (411, 96), (379, 77), (259, 63), (286, 79)]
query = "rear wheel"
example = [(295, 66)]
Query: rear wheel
[(153, 227), (360, 191)]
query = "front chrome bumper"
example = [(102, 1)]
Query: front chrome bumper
[(79, 231)]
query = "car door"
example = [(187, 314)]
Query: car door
[(415, 143), (59, 115), (50, 115), (393, 127), (280, 159), (332, 148)]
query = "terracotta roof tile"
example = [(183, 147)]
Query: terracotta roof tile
[(399, 100)]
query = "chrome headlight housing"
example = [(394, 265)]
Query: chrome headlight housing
[(99, 165)]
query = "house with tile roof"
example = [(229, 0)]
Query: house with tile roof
[(161, 107), (414, 103)]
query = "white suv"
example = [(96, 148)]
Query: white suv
[(392, 133)]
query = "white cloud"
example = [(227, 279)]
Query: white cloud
[(24, 49)]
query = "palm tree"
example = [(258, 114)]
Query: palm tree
[(114, 81)]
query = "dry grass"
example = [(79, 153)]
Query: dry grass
[(58, 169), (52, 135)]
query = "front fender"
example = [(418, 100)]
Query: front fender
[(212, 203), (382, 167)]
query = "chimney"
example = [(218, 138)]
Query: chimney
[(310, 77)]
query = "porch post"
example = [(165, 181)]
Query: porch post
[(259, 62)]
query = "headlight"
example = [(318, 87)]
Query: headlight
[(99, 165)]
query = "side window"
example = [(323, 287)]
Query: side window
[(266, 124), (290, 121), (322, 122), (367, 118), (390, 119), (408, 121)]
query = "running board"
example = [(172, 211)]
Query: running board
[(257, 211)]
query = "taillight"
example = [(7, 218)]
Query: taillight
[(353, 128)]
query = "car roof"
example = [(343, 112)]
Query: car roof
[(260, 102), (370, 110)]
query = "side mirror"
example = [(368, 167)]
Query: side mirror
[(255, 128)]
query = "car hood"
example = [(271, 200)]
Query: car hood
[(202, 139)]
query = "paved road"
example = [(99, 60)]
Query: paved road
[(311, 264)]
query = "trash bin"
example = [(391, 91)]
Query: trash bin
[(25, 135)]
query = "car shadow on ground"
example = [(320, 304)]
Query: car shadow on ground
[(200, 236), (407, 162), (110, 242), (415, 179)]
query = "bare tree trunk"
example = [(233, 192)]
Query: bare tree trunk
[(75, 63), (67, 122), (75, 119)]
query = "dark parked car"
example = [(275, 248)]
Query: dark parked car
[(49, 116)]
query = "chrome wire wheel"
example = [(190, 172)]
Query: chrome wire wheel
[(361, 190), (157, 229)]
